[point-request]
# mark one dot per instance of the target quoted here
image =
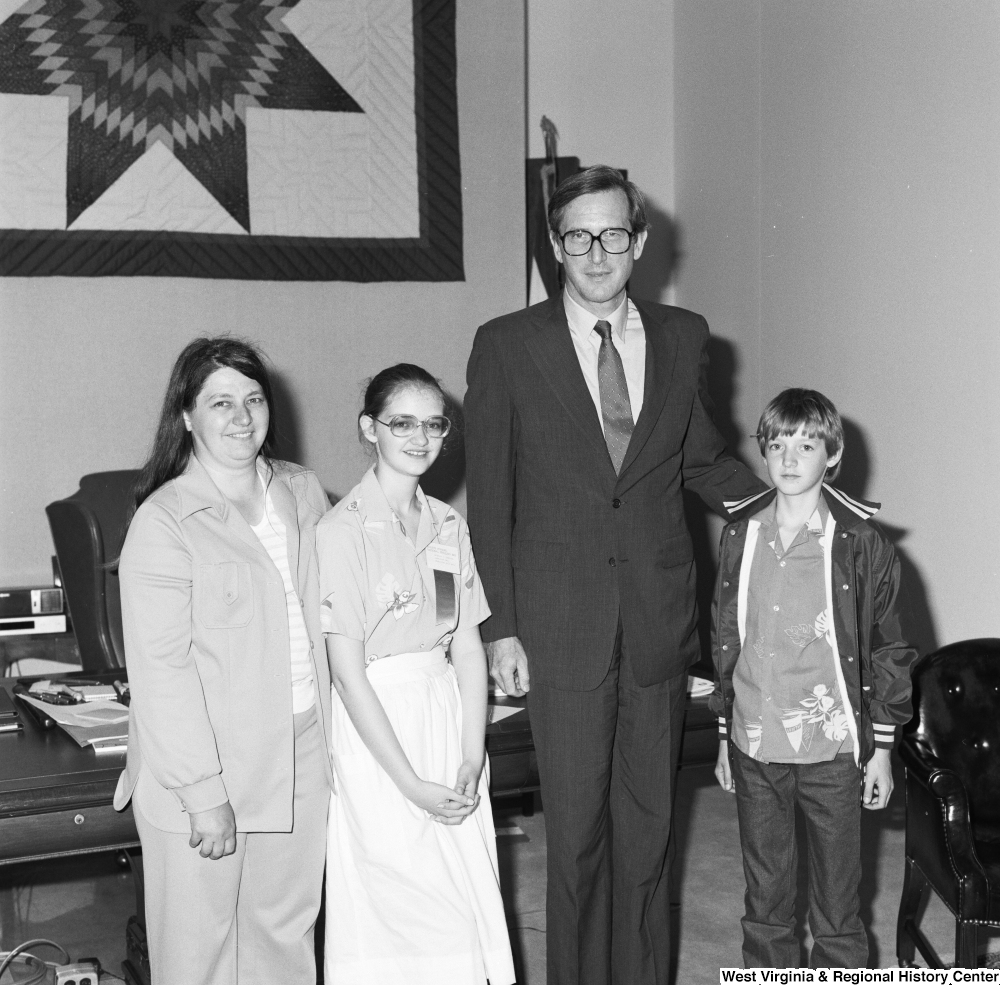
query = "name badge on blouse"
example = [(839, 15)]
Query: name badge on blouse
[(445, 564), (443, 558)]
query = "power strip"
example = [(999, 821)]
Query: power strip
[(81, 973)]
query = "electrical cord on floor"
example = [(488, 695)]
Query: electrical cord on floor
[(21, 951), (36, 970)]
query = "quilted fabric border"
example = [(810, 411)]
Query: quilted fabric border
[(436, 255)]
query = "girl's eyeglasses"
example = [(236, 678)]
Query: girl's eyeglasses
[(405, 425)]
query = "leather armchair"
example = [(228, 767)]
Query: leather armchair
[(87, 530), (951, 751)]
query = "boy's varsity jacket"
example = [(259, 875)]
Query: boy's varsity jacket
[(862, 586)]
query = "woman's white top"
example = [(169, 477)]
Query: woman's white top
[(273, 536)]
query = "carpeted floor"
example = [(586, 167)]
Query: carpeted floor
[(84, 903), (709, 886)]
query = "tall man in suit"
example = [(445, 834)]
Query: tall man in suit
[(586, 414)]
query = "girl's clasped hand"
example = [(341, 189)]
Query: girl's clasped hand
[(444, 805), (411, 829)]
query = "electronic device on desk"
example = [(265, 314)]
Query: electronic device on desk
[(16, 603), (26, 611), (28, 626)]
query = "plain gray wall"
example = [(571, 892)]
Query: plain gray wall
[(839, 209)]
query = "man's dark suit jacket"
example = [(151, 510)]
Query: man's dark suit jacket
[(564, 544)]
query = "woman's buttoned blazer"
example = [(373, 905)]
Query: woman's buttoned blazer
[(206, 644)]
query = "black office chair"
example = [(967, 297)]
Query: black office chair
[(87, 530), (952, 756)]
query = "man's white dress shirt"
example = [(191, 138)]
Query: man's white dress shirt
[(628, 337)]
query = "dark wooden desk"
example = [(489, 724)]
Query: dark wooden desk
[(55, 798)]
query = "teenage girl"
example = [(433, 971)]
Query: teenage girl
[(412, 888)]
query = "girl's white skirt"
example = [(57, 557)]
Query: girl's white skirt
[(409, 900)]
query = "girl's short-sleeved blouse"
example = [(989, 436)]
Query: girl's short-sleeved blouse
[(377, 586)]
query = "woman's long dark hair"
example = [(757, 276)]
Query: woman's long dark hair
[(173, 445)]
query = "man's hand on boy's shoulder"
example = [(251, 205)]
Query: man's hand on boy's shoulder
[(878, 780)]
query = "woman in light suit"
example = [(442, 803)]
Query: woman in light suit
[(228, 769)]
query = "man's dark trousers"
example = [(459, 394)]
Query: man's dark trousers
[(607, 759), (569, 549)]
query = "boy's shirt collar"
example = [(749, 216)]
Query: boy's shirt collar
[(770, 533)]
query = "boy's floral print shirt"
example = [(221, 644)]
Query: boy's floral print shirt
[(377, 586), (788, 707)]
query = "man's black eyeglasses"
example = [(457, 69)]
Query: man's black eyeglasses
[(578, 242)]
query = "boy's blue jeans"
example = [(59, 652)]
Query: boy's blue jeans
[(829, 795)]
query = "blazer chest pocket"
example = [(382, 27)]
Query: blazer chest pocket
[(223, 595)]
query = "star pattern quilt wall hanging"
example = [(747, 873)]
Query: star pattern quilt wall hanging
[(270, 139)]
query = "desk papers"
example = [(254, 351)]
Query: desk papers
[(500, 706), (101, 724)]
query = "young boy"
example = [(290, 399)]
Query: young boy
[(812, 680)]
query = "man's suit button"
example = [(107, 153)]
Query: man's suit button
[(725, 584), (612, 561), (616, 503), (732, 533)]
